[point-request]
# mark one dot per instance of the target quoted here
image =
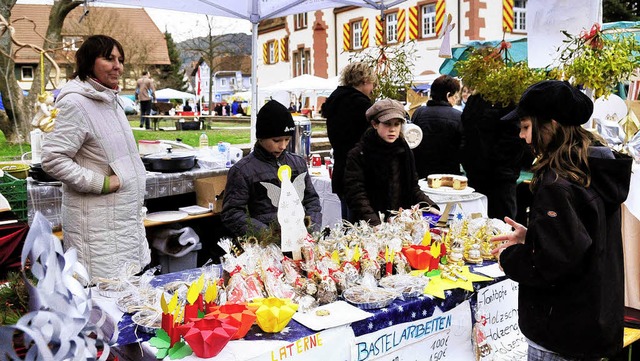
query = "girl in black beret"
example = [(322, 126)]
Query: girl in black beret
[(568, 263)]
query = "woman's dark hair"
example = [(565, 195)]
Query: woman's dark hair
[(444, 86), (92, 48)]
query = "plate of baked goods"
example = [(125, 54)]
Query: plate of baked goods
[(445, 184)]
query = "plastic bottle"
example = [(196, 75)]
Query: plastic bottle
[(204, 141)]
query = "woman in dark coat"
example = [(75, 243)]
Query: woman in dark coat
[(439, 151), (346, 122), (380, 175)]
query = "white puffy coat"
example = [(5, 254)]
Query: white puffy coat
[(92, 139)]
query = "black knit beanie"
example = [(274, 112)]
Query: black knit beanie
[(274, 120)]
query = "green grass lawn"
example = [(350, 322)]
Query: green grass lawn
[(222, 132)]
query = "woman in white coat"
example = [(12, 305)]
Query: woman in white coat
[(92, 151)]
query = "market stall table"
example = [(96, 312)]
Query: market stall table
[(461, 202), (46, 197), (414, 324)]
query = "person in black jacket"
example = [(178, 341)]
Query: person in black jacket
[(568, 263), (439, 151), (246, 208), (491, 154), (346, 122), (380, 175)]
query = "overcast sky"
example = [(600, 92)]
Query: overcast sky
[(182, 25)]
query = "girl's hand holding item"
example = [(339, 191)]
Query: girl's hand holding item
[(515, 237)]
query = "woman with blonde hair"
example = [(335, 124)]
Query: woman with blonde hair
[(346, 121)]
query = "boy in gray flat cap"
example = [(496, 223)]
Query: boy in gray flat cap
[(380, 175)]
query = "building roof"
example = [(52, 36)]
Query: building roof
[(127, 25)]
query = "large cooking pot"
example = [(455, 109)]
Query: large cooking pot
[(169, 161)]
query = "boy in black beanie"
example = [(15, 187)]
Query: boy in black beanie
[(246, 207)]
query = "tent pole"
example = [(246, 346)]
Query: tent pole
[(254, 81)]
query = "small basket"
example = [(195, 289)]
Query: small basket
[(15, 191)]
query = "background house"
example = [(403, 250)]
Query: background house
[(322, 42), (231, 74), (144, 44)]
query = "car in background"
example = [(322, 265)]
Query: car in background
[(130, 106)]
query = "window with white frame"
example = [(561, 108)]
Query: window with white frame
[(428, 20), (223, 82), (519, 15), (392, 27), (300, 21), (26, 72), (356, 34), (301, 61), (71, 43), (272, 52)]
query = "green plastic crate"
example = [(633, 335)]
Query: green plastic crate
[(15, 191)]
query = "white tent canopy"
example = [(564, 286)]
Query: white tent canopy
[(302, 84), (168, 93), (254, 11)]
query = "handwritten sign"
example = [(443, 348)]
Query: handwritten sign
[(497, 333), (331, 344), (443, 336)]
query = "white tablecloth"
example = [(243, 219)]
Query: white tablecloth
[(466, 204), (331, 210)]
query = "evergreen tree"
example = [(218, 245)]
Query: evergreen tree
[(171, 76)]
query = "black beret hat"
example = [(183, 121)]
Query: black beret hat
[(274, 120), (554, 99)]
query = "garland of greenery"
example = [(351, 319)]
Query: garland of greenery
[(599, 61), (491, 73)]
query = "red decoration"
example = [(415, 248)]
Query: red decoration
[(236, 314), (170, 327), (207, 336), (191, 311), (420, 257)]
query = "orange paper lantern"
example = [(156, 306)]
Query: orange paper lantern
[(420, 257), (237, 314)]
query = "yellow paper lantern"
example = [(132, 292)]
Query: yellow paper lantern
[(273, 314)]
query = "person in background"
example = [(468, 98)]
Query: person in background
[(462, 100), (145, 94), (292, 107), (234, 107), (346, 121), (218, 109), (227, 109), (568, 263), (246, 208), (187, 107), (93, 153), (439, 151), (491, 154), (241, 109), (380, 175)]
